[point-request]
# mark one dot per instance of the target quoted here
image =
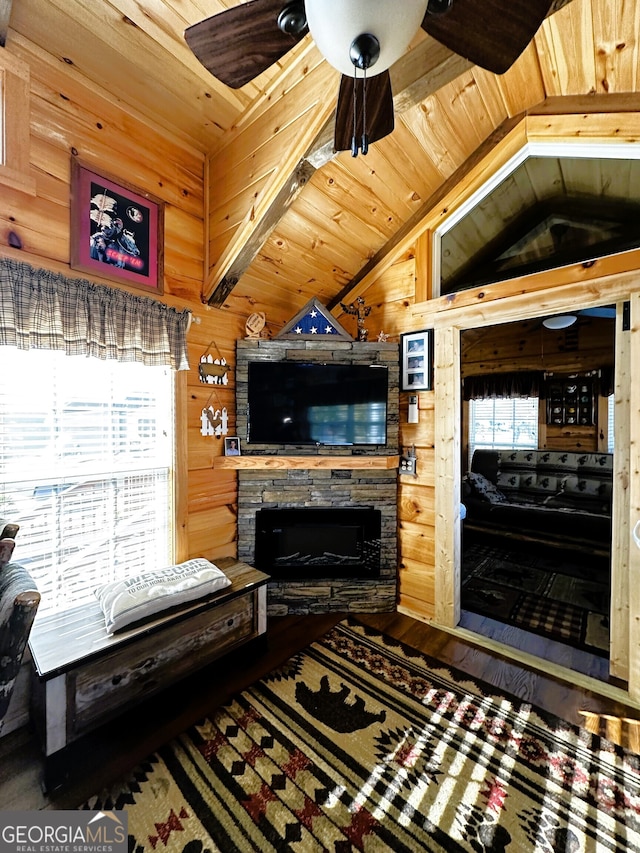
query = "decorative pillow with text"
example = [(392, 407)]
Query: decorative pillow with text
[(141, 596)]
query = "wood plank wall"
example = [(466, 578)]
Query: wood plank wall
[(69, 117)]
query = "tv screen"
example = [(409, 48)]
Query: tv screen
[(324, 404)]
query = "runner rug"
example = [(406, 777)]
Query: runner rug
[(359, 743), (540, 591)]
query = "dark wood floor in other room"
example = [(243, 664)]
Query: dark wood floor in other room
[(545, 647), (103, 757)]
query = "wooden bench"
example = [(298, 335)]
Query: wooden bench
[(84, 677)]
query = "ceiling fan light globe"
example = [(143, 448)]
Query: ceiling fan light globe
[(364, 51), (561, 321), (336, 24)]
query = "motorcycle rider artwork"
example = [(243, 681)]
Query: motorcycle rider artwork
[(111, 242)]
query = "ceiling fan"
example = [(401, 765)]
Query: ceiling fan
[(362, 39)]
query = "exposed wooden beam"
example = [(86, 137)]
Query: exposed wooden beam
[(247, 253), (5, 14), (539, 125), (418, 74), (266, 149), (615, 102)]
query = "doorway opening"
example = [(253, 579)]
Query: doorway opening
[(536, 488)]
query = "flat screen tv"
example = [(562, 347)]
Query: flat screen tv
[(323, 404)]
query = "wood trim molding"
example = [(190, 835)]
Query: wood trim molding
[(15, 93), (610, 279), (181, 471), (448, 477), (620, 622), (634, 502)]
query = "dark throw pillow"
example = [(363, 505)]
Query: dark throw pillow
[(485, 489)]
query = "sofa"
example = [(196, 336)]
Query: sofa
[(546, 495)]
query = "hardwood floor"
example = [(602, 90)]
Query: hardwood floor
[(594, 666), (544, 647), (103, 757)]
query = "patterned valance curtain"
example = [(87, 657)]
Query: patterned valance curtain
[(40, 309), (501, 386)]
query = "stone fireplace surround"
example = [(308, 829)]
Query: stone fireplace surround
[(335, 478)]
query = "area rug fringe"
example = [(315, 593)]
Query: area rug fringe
[(359, 743)]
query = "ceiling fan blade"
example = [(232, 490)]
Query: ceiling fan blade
[(379, 111), (238, 44), (490, 33)]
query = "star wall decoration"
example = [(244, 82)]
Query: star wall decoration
[(314, 321)]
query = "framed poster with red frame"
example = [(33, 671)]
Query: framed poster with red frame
[(117, 230)]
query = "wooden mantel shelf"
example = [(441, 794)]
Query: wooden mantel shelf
[(311, 462)]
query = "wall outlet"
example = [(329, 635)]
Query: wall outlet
[(408, 465)]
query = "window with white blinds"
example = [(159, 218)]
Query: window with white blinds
[(503, 424), (611, 423), (86, 464)]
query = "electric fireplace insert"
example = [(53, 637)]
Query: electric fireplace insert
[(310, 542)]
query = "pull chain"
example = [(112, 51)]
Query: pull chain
[(354, 137), (365, 136), (363, 142), (364, 52)]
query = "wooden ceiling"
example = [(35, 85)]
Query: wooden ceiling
[(321, 240)]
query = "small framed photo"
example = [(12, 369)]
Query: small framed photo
[(416, 361), (232, 446), (117, 230)]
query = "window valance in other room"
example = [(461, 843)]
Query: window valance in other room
[(40, 309), (499, 386)]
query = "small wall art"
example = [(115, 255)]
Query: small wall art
[(116, 230), (416, 361), (232, 446)]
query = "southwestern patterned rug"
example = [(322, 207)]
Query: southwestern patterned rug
[(537, 590), (359, 743)]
